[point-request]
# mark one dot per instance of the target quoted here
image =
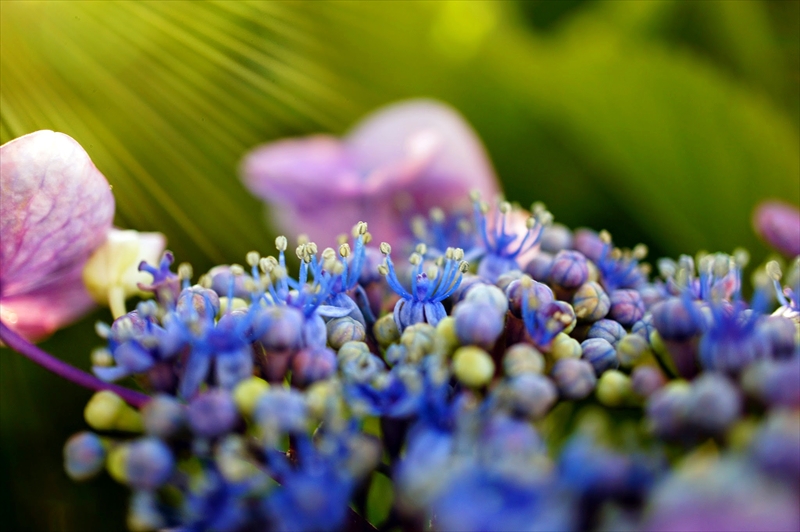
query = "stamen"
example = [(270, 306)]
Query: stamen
[(385, 248), (281, 243), (252, 258), (774, 270)]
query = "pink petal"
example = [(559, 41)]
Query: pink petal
[(778, 224), (39, 313), (401, 160), (302, 172), (56, 208)]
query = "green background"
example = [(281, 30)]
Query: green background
[(662, 121)]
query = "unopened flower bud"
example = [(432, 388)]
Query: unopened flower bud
[(149, 464), (564, 346), (575, 378), (613, 388), (600, 354), (343, 330), (627, 306), (609, 330), (522, 358), (212, 413), (163, 416), (247, 393), (312, 364), (631, 349), (84, 456), (591, 303), (569, 269), (473, 366), (478, 324)]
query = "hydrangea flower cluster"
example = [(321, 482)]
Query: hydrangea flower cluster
[(281, 401), (510, 375)]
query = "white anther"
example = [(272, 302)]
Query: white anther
[(300, 251), (205, 281), (361, 229), (437, 215), (281, 243), (448, 253), (383, 269), (237, 269), (504, 207), (252, 258), (185, 270), (741, 257), (421, 248), (302, 239), (386, 249), (432, 271), (605, 237), (774, 270), (419, 227), (415, 259), (475, 195), (458, 254), (639, 251), (344, 250), (464, 266)]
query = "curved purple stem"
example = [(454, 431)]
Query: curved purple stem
[(67, 371)]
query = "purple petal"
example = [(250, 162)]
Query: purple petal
[(56, 208), (779, 224), (402, 160)]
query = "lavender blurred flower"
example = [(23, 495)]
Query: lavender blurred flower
[(403, 160), (57, 209), (778, 224)]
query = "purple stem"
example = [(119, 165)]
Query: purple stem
[(67, 371)]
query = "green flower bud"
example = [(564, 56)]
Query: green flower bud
[(522, 358), (473, 366), (385, 330), (613, 388), (247, 393)]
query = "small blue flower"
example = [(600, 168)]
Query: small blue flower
[(503, 243), (440, 231), (428, 289), (620, 268)]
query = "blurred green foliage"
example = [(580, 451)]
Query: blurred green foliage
[(663, 121)]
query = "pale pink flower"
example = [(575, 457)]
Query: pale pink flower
[(55, 210), (400, 161)]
